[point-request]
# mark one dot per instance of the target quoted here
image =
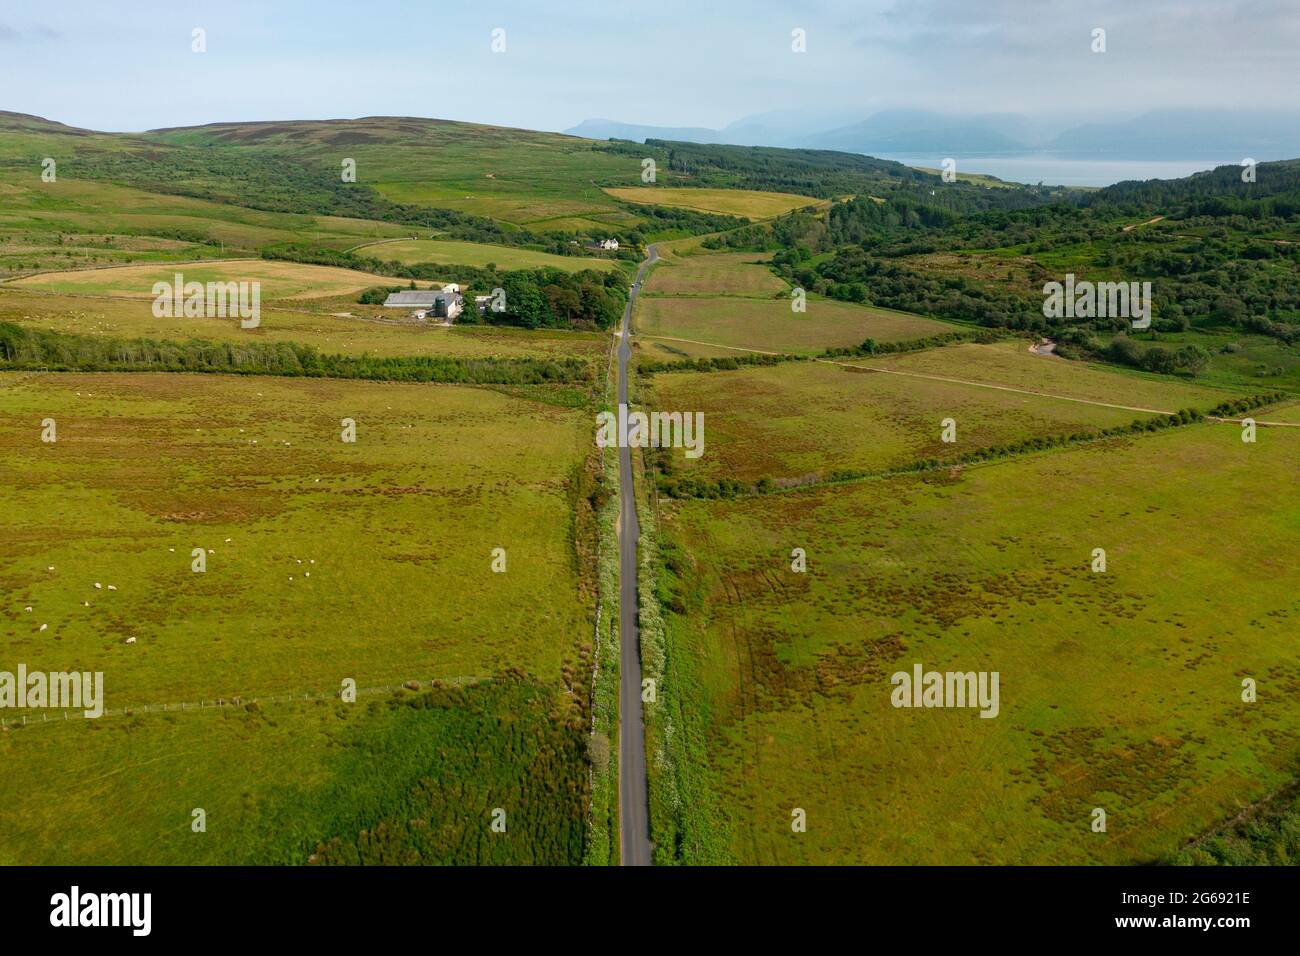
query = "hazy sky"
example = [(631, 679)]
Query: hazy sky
[(698, 63)]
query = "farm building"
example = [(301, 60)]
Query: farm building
[(611, 244), (444, 304)]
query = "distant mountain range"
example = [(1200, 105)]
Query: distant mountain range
[(1156, 135)]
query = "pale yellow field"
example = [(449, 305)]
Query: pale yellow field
[(728, 202), (279, 280)]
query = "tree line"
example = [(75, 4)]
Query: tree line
[(27, 348)]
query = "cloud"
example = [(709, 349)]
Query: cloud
[(10, 34), (674, 63)]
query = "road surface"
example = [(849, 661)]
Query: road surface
[(633, 796)]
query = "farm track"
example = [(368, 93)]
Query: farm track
[(1000, 388), (377, 242), (733, 348)]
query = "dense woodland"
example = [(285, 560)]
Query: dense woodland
[(1220, 254), (818, 172)]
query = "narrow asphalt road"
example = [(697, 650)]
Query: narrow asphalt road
[(633, 795)]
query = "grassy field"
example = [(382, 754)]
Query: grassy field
[(75, 222), (1012, 365), (307, 782), (325, 560), (1119, 690), (279, 280), (724, 273), (804, 419), (770, 324), (479, 254), (356, 330), (1287, 413), (729, 202), (712, 302)]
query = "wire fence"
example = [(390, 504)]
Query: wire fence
[(46, 717)]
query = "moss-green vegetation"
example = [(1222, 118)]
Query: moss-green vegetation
[(799, 422), (325, 561), (393, 779), (1120, 690), (1264, 834)]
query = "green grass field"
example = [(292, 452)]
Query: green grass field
[(725, 273), (325, 560), (320, 782), (1119, 690), (770, 325), (804, 419), (699, 304), (1012, 365), (479, 254), (1287, 413)]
